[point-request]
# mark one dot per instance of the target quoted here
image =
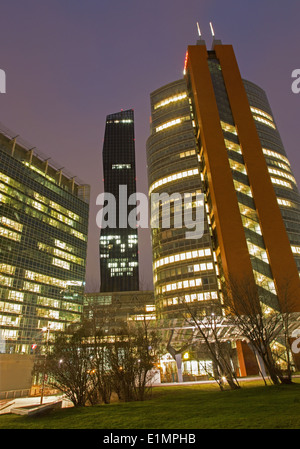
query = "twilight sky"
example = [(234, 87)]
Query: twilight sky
[(69, 63)]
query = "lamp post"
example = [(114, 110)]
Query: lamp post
[(45, 329)]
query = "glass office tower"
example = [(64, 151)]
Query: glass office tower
[(184, 269), (119, 269), (43, 243)]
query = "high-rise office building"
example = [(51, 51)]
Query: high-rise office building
[(43, 243), (182, 268), (235, 156), (119, 270)]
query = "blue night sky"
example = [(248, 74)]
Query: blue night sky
[(69, 63)]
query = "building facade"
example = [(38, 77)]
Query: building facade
[(183, 269), (43, 244), (235, 156), (119, 269)]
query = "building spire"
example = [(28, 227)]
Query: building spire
[(215, 41), (200, 41)]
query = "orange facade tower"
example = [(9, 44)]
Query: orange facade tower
[(252, 198), (233, 147)]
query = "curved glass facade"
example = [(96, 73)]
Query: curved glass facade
[(183, 269), (278, 165)]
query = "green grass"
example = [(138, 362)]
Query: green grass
[(254, 406)]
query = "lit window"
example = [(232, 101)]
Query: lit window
[(282, 183), (11, 224), (264, 121), (169, 100), (262, 113), (120, 166), (273, 171), (285, 203), (172, 178), (228, 128), (275, 155), (296, 249), (171, 123), (61, 263)]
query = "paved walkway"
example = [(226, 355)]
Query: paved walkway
[(24, 402)]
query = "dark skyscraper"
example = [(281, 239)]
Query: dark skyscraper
[(119, 244)]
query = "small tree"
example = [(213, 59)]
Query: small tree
[(207, 326), (68, 367), (132, 357), (254, 311)]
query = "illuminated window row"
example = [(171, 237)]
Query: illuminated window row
[(169, 100), (174, 177), (7, 269), (64, 211), (228, 128), (237, 166), (283, 202), (264, 282), (296, 249), (40, 172), (262, 113), (15, 295), (282, 166), (8, 334), (250, 219), (240, 187), (120, 166), (258, 252), (45, 279), (6, 281), (61, 263), (283, 174), (188, 283), (49, 302), (9, 234), (171, 123), (251, 225), (120, 121), (264, 121), (31, 287), (11, 224), (6, 320), (248, 212), (47, 313), (45, 218), (276, 155), (282, 183), (232, 146), (8, 307), (38, 197), (205, 296), (64, 245), (187, 153), (182, 257)]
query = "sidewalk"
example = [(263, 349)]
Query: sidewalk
[(25, 402)]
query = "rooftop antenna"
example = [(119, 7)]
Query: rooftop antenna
[(200, 41), (215, 41), (198, 28)]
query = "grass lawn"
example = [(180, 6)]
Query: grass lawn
[(254, 406)]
